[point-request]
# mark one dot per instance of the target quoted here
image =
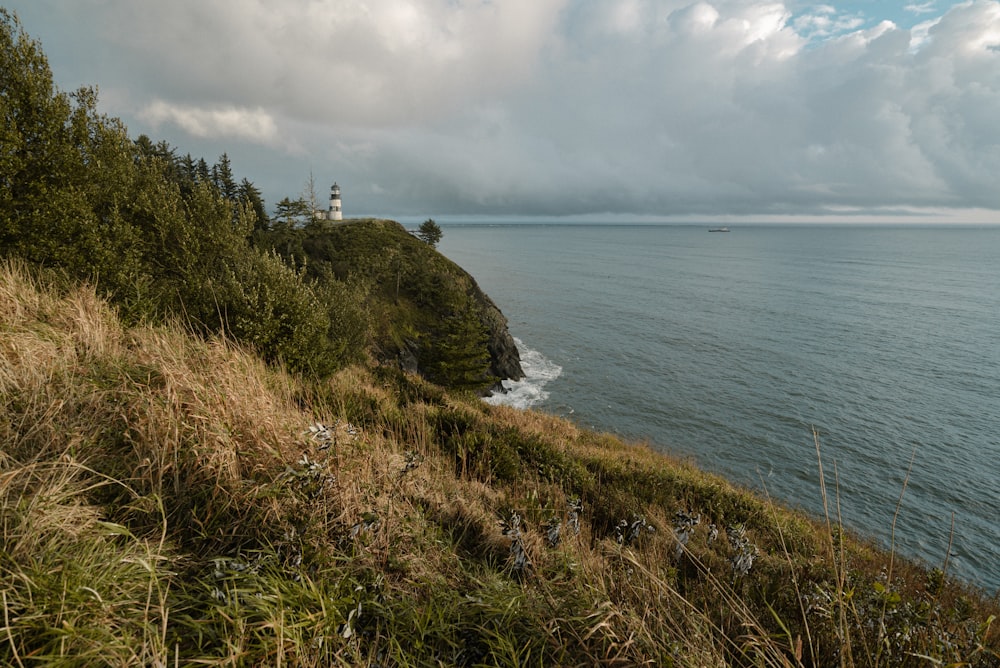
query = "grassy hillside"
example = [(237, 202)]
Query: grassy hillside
[(170, 500)]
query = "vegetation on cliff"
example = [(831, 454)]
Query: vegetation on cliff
[(425, 312)]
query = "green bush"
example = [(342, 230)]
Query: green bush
[(263, 303)]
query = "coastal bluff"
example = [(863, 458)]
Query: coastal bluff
[(428, 314)]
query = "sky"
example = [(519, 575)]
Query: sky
[(721, 110)]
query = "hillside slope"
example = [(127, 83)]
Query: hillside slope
[(168, 500), (428, 313)]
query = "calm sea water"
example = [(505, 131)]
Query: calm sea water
[(731, 348)]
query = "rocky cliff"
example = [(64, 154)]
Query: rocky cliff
[(505, 358)]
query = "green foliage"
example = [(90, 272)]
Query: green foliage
[(250, 196), (162, 236), (456, 353), (430, 232), (420, 303), (263, 303), (64, 170), (222, 178), (291, 213)]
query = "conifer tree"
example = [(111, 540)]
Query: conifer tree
[(202, 172), (188, 168), (64, 170), (430, 232), (459, 357), (222, 177), (249, 195), (291, 213)]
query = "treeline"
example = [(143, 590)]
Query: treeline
[(163, 236)]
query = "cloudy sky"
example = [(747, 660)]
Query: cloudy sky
[(655, 109)]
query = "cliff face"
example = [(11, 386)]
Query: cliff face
[(427, 314), (504, 356), (505, 359)]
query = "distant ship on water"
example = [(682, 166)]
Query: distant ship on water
[(718, 229)]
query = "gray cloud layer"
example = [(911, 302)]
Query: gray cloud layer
[(435, 107)]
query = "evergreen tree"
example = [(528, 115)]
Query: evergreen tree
[(64, 169), (202, 172), (187, 174), (430, 232), (33, 161), (250, 196), (458, 355), (163, 152), (188, 168), (292, 213), (222, 178), (145, 146)]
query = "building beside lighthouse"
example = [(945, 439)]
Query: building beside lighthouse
[(334, 212)]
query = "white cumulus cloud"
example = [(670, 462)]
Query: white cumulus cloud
[(255, 125)]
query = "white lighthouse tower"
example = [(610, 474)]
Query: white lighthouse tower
[(335, 212)]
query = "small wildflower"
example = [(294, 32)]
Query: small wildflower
[(311, 477), (684, 524), (552, 528), (573, 517), (745, 551), (325, 436), (521, 561), (320, 433), (627, 533), (346, 630), (621, 530), (223, 567), (511, 527)]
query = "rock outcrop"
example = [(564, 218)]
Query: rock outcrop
[(505, 359)]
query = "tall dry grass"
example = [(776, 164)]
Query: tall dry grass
[(167, 500)]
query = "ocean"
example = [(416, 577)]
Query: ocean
[(731, 348)]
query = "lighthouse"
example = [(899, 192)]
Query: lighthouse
[(335, 211)]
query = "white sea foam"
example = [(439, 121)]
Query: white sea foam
[(529, 391)]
